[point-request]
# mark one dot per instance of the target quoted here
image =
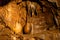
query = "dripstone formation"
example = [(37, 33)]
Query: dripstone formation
[(29, 20)]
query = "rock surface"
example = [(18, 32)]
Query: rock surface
[(26, 20)]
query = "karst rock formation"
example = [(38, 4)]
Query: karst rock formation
[(29, 20)]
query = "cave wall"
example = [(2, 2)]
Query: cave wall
[(57, 2)]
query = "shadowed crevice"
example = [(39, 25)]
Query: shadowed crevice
[(4, 2)]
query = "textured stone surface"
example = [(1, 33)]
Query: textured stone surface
[(26, 20)]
